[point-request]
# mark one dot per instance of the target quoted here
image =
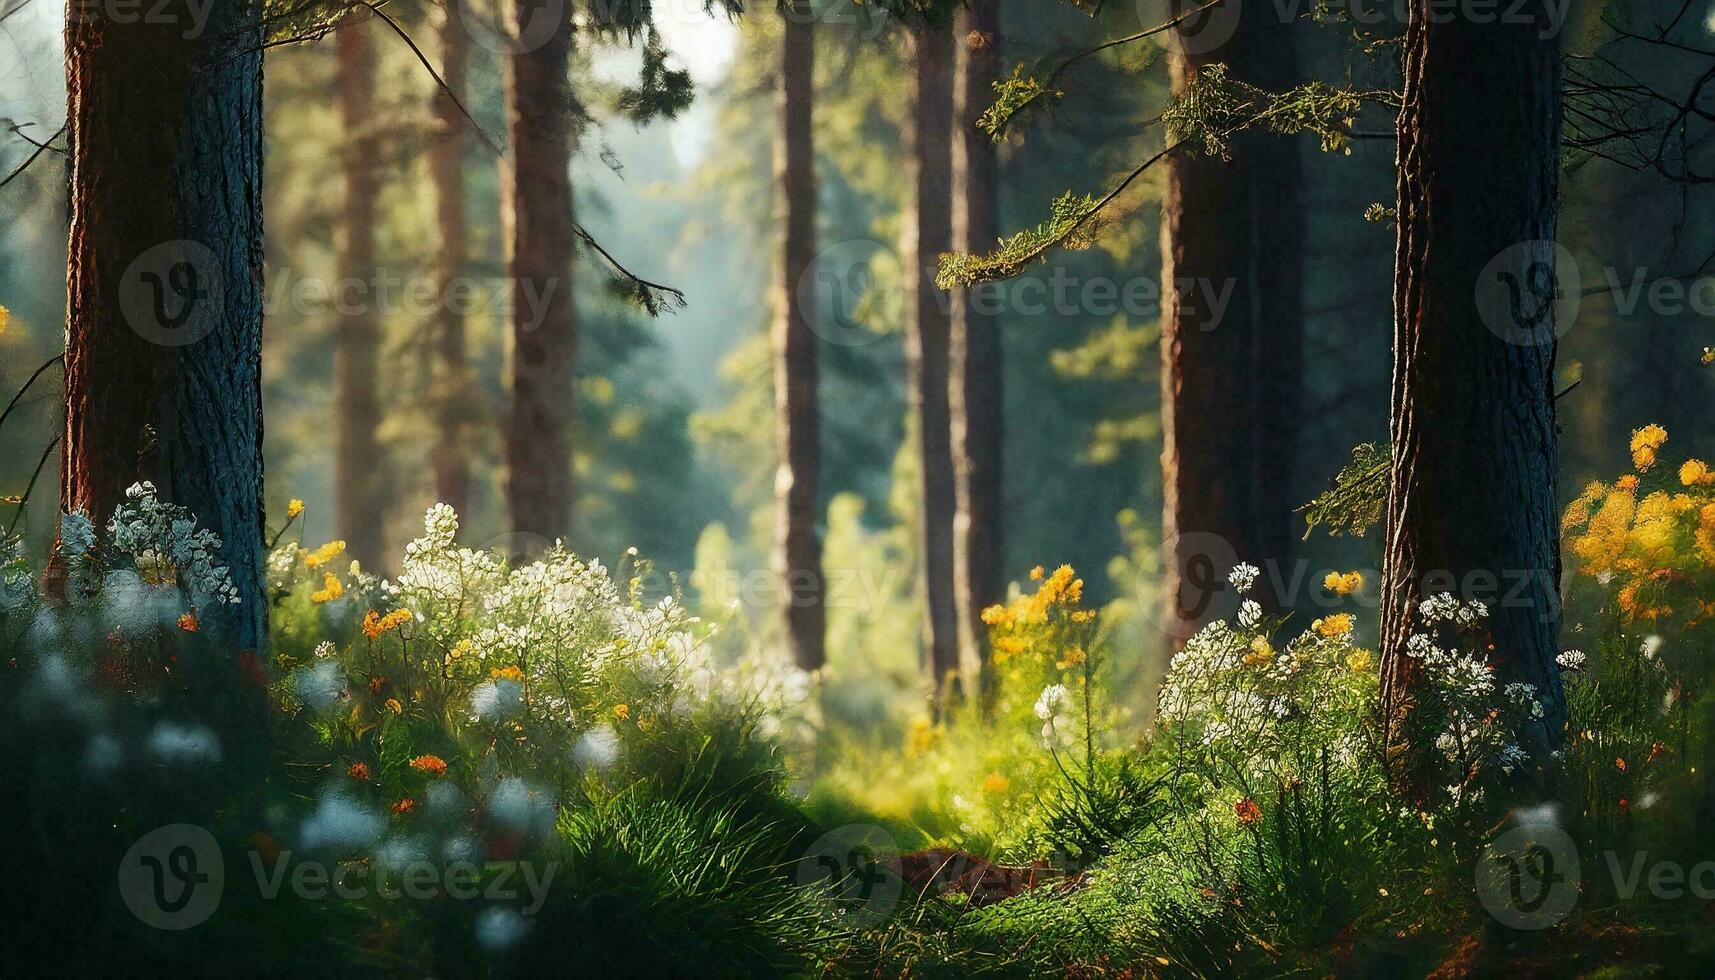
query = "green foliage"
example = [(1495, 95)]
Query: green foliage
[(1013, 95), (1214, 107), (1355, 502), (1073, 223), (664, 887)]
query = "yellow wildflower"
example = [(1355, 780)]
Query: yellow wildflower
[(1261, 652), (459, 649), (1084, 616), (1343, 584), (1695, 473), (921, 737), (294, 507), (1072, 658), (996, 783), (1645, 442), (374, 626), (1360, 660), (996, 616), (1628, 483), (1036, 574), (394, 706), (1335, 626), (622, 711), (507, 674), (326, 553), (330, 590)]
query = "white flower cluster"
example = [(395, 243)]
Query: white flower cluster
[(1051, 709), (166, 546), (1231, 694)]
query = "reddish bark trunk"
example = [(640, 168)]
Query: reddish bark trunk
[(357, 346), (164, 279), (928, 234), (544, 339), (1472, 504), (797, 482), (975, 362)]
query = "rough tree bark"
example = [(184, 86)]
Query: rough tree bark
[(928, 234), (164, 320), (446, 172), (975, 362), (797, 482), (544, 341), (1231, 337), (1472, 499), (357, 338)]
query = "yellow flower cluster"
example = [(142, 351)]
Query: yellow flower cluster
[(1345, 584), (1644, 544), (374, 626), (331, 589), (1334, 627), (326, 553), (294, 508), (1646, 442), (1018, 627), (507, 674)]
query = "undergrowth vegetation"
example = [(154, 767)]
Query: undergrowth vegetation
[(587, 778)]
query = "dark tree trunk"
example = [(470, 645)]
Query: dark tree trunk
[(164, 324), (1231, 382), (797, 483), (446, 171), (1472, 505), (357, 339), (928, 234), (544, 339), (975, 362)]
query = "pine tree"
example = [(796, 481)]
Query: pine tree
[(1472, 505), (544, 341), (975, 363), (797, 483), (164, 318), (357, 338)]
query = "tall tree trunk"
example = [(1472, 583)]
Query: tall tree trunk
[(975, 362), (797, 483), (1232, 333), (164, 325), (544, 339), (357, 340), (446, 171), (928, 234), (1472, 505)]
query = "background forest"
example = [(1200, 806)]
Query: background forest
[(986, 736)]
